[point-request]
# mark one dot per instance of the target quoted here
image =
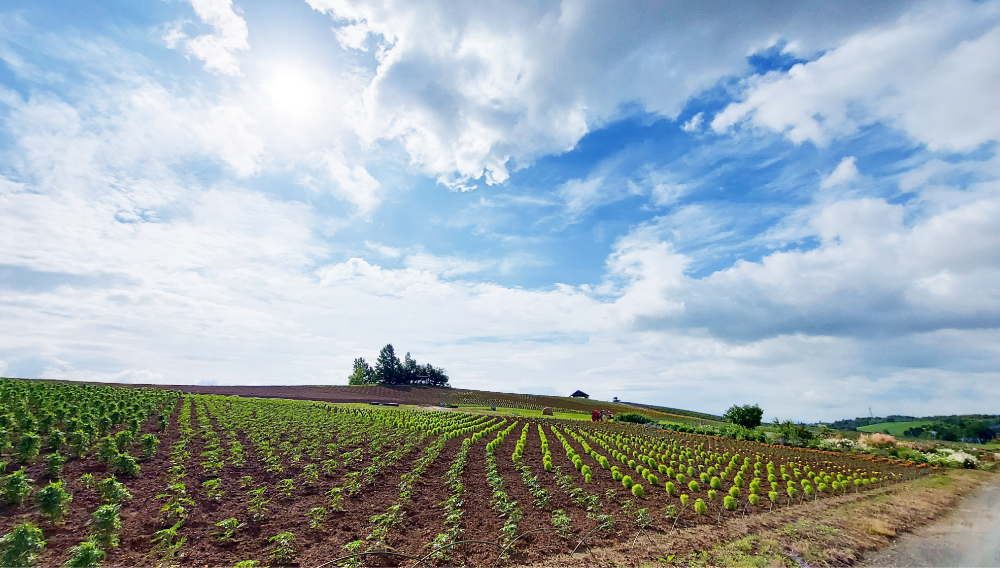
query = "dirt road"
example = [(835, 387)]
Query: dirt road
[(968, 536)]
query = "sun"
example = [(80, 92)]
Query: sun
[(291, 92)]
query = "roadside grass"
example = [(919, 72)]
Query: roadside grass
[(748, 552)]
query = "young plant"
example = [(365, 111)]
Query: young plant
[(316, 516), (229, 527), (286, 487), (283, 547), (123, 440), (21, 546), (126, 465), (85, 555), (53, 465), (106, 524), (166, 543), (149, 443), (79, 443), (17, 487), (700, 507), (213, 489), (28, 447), (53, 500), (562, 522), (107, 450), (257, 505), (113, 491)]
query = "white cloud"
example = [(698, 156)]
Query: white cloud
[(352, 182), (217, 49), (694, 124), (906, 74), (383, 250), (471, 91), (845, 171)]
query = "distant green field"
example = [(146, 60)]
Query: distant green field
[(894, 428)]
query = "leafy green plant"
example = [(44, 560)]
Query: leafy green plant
[(257, 505), (87, 480), (638, 491), (316, 516), (123, 440), (79, 443), (17, 487), (55, 440), (229, 527), (285, 487), (54, 465), (28, 447), (53, 500), (85, 555), (283, 547), (107, 450), (22, 545), (213, 488), (562, 522), (113, 491), (700, 507), (106, 524), (149, 443), (166, 543), (126, 465)]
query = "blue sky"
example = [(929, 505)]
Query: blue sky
[(788, 203)]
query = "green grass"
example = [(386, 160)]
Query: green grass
[(894, 428), (524, 413)]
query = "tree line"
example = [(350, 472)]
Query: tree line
[(389, 370)]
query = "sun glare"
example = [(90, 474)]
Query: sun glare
[(291, 92)]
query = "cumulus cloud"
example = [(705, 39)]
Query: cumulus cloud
[(218, 49), (904, 74), (472, 91)]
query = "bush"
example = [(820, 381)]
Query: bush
[(53, 500), (21, 546), (627, 482), (729, 503), (54, 465), (715, 483), (638, 491), (685, 499), (754, 499), (694, 487), (85, 555), (671, 490), (633, 418)]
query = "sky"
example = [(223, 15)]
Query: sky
[(692, 204)]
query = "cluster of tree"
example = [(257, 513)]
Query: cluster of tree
[(746, 416), (634, 418), (389, 370), (958, 428), (790, 433), (855, 423)]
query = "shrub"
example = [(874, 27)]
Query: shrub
[(53, 500), (55, 440), (685, 499), (106, 524), (627, 481), (700, 507), (123, 440), (711, 494), (17, 487), (588, 478), (21, 546), (107, 450), (653, 480), (85, 555), (79, 443), (715, 483), (671, 490), (126, 465), (638, 491), (694, 487), (754, 499), (734, 492)]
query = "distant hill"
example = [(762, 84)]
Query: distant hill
[(678, 412), (976, 428)]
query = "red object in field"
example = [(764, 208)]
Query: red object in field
[(595, 416)]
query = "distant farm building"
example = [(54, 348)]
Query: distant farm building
[(580, 394)]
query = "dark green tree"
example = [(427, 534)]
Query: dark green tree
[(388, 368), (746, 416)]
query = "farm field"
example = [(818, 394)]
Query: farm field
[(894, 428), (430, 396), (153, 476)]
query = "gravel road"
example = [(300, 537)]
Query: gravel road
[(968, 536)]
